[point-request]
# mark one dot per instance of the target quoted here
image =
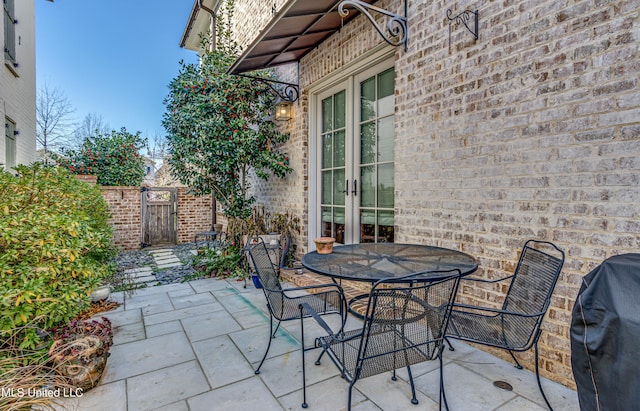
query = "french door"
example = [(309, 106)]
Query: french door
[(355, 149)]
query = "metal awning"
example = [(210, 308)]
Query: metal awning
[(298, 28)]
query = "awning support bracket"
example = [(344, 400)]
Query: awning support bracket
[(286, 91), (396, 25), (464, 18)]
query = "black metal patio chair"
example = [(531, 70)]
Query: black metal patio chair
[(324, 298), (404, 324), (516, 326)]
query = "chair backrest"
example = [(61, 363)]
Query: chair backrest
[(535, 278), (405, 321), (268, 276)]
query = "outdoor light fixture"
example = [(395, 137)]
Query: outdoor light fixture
[(283, 111)]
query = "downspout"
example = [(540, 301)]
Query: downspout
[(212, 46), (212, 22)]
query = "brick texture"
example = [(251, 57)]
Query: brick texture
[(194, 215), (531, 131)]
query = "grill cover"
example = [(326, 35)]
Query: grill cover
[(605, 336)]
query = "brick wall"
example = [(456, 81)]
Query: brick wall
[(532, 131), (194, 215), (125, 205)]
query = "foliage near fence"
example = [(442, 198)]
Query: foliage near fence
[(55, 247)]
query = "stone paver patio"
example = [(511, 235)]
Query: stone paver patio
[(194, 346)]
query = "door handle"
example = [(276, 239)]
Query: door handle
[(346, 187), (355, 187)]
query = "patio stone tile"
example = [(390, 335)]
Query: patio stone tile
[(238, 302), (178, 293), (465, 390), (212, 324), (221, 361), (522, 404), (119, 318), (156, 309), (127, 333), (142, 356), (328, 395), (283, 374), (225, 292), (175, 406), (208, 284), (393, 395), (250, 394), (165, 386), (182, 313), (523, 382), (160, 289), (163, 328), (191, 300), (365, 406), (104, 397), (253, 341), (251, 317), (139, 301), (119, 298)]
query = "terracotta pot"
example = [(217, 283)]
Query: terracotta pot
[(324, 245)]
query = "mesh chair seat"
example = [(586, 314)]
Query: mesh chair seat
[(500, 330)]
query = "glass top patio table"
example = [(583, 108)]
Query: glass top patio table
[(376, 261)]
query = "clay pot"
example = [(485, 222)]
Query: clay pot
[(324, 245)]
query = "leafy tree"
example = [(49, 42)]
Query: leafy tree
[(219, 129), (113, 158)]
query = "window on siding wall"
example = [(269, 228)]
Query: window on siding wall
[(9, 144), (9, 32)]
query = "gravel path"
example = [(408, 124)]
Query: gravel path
[(140, 258)]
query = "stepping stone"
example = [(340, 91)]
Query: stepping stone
[(169, 265), (145, 269), (166, 259), (143, 274), (145, 279)]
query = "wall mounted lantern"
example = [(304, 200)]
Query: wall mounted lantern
[(283, 111)]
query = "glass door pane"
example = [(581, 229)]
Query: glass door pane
[(377, 151), (333, 167)]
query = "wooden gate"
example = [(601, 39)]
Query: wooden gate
[(159, 216)]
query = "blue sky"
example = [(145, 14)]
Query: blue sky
[(114, 58)]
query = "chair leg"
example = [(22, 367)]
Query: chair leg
[(264, 357), (304, 375), (414, 400), (349, 400), (518, 366), (320, 356), (449, 344), (442, 396), (535, 349)]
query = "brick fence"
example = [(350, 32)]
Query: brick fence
[(125, 204)]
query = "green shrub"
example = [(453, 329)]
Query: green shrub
[(113, 158), (55, 247)]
